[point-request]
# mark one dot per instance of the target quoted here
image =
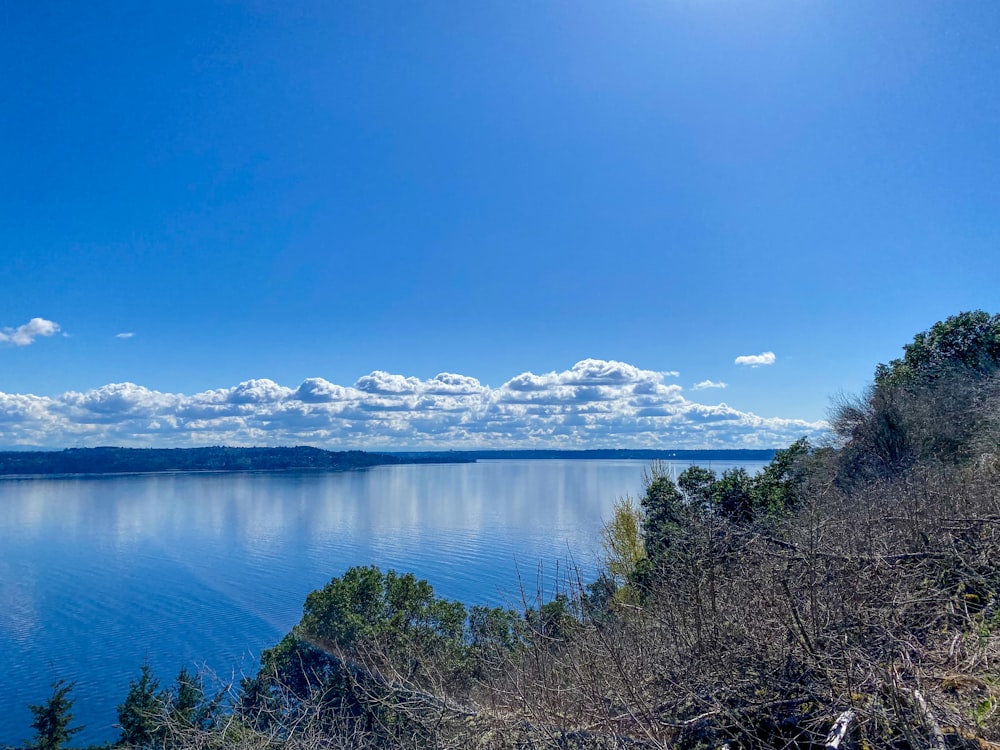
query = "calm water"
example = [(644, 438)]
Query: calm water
[(97, 575)]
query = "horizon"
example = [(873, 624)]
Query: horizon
[(407, 453), (467, 226)]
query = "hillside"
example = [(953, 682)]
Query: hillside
[(110, 460)]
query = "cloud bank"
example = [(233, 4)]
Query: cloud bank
[(595, 403), (756, 360), (26, 334)]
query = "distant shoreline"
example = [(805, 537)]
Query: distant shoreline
[(596, 454), (112, 461)]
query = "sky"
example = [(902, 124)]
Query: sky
[(676, 224)]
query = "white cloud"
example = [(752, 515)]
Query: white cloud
[(595, 403), (708, 384), (124, 335), (262, 391), (756, 360), (26, 334), (384, 382), (318, 391)]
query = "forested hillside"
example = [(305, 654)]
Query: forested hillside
[(112, 460)]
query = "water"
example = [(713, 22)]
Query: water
[(205, 570)]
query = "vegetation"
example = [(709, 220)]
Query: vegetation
[(153, 718), (110, 460), (846, 596), (936, 404), (53, 718)]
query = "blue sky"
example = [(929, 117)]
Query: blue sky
[(590, 197)]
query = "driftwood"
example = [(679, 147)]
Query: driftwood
[(928, 718), (841, 727)]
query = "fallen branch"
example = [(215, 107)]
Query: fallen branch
[(928, 717), (839, 731)]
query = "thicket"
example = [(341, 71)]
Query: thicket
[(844, 597)]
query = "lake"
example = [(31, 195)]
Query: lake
[(99, 574)]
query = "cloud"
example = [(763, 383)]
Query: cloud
[(594, 403), (262, 391), (124, 335), (319, 391), (756, 360), (708, 384), (26, 334)]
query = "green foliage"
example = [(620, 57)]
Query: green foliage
[(395, 617), (672, 515), (53, 718), (664, 516), (367, 622), (187, 706), (968, 342), (621, 540), (494, 630), (776, 487), (733, 495), (770, 494), (666, 522), (554, 620), (140, 716), (696, 483), (187, 699), (371, 642)]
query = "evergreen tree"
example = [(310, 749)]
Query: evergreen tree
[(187, 705), (139, 717), (53, 719), (664, 517)]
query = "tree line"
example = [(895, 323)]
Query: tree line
[(113, 460)]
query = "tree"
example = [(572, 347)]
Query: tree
[(369, 627), (53, 718), (775, 488), (666, 520), (186, 704), (733, 495), (696, 484), (396, 616), (663, 519), (621, 539), (969, 342), (376, 650), (140, 716), (494, 630)]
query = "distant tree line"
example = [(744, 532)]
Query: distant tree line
[(110, 460), (113, 460), (724, 455)]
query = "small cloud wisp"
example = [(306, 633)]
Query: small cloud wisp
[(26, 334), (756, 360), (708, 384)]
